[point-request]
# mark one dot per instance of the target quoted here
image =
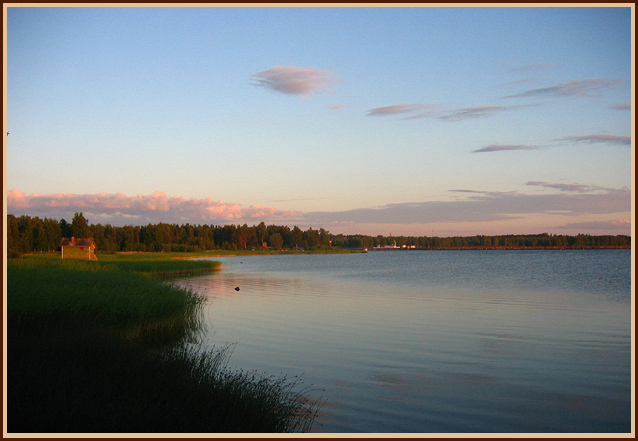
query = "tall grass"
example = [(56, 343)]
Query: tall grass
[(147, 263), (98, 347), (79, 294)]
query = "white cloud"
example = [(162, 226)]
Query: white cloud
[(294, 80)]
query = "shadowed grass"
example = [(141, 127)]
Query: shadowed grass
[(93, 382), (87, 352)]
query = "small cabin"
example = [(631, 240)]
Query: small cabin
[(78, 248)]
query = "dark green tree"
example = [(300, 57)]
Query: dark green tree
[(65, 229), (80, 226), (276, 241)]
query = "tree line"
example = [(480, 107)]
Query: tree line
[(27, 234)]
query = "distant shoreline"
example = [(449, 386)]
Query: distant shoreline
[(499, 248)]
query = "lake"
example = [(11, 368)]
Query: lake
[(436, 341)]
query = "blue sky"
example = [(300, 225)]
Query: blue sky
[(445, 121)]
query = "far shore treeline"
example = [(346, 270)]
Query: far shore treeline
[(27, 234)]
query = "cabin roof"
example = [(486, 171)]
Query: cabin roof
[(77, 242)]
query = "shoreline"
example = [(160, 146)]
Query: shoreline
[(504, 248)]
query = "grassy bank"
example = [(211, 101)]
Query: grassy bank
[(99, 347), (155, 264)]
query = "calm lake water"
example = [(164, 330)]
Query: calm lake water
[(436, 341)]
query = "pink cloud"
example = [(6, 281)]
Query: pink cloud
[(17, 199), (294, 80), (157, 207)]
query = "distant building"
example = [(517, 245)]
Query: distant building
[(78, 248)]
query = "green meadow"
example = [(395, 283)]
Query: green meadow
[(109, 347)]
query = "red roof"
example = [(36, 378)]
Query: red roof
[(77, 242)]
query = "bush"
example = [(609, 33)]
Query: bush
[(14, 254)]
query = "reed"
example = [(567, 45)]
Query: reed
[(51, 295), (99, 347)]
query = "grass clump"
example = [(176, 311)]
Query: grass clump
[(158, 262), (101, 348)]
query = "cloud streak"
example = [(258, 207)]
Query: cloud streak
[(473, 112), (417, 111), (577, 88), (294, 80), (572, 188), (505, 147), (141, 208), (623, 106), (599, 138), (398, 109)]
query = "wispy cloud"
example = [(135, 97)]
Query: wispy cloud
[(157, 207), (624, 106), (397, 109), (416, 111), (599, 138), (484, 206), (576, 88), (294, 80), (505, 147), (473, 112), (573, 188), (622, 226)]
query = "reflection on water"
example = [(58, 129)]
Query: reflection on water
[(436, 341)]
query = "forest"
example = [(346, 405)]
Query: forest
[(27, 234)]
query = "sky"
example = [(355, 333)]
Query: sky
[(444, 121)]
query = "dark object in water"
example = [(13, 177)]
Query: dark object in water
[(237, 288)]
